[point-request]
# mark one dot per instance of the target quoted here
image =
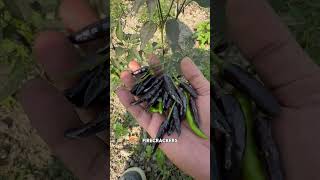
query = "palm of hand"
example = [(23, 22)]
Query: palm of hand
[(190, 153)]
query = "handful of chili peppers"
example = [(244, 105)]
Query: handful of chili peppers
[(242, 111), (171, 96)]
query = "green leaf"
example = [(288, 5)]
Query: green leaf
[(146, 33), (152, 7), (119, 31), (203, 3), (172, 33), (137, 5), (12, 82), (133, 54), (13, 8), (119, 51)]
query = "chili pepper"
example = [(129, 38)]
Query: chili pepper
[(171, 127), (154, 99), (91, 32), (194, 111), (135, 88), (228, 161), (268, 148), (165, 99), (183, 107), (96, 86), (171, 89), (141, 70), (252, 168), (243, 81), (103, 51), (75, 94), (168, 104), (235, 118), (191, 121), (189, 89), (163, 129), (154, 83), (90, 128), (176, 119), (138, 85), (145, 84)]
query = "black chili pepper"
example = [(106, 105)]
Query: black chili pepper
[(176, 119), (171, 89), (91, 32), (189, 89), (183, 106), (245, 82), (89, 128), (268, 148), (142, 70), (194, 111)]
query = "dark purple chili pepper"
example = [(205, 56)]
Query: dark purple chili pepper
[(75, 94), (154, 99), (165, 99), (96, 86), (171, 89), (245, 82), (189, 89), (183, 107), (235, 118), (142, 70), (94, 31), (168, 104), (155, 82), (194, 111), (145, 84), (90, 128), (176, 119), (268, 149)]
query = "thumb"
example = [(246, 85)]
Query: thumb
[(195, 77)]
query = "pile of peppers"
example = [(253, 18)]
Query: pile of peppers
[(170, 96), (93, 85), (242, 111)]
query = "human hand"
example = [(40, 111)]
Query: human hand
[(191, 153), (290, 74), (49, 111)]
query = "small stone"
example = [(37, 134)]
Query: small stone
[(148, 169), (132, 163), (142, 167), (141, 159)]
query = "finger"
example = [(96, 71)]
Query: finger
[(57, 57), (51, 114), (126, 98), (133, 65), (127, 79), (76, 14), (195, 77), (267, 43)]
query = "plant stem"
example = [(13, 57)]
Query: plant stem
[(181, 8), (161, 25), (168, 14)]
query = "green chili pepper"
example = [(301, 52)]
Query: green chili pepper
[(191, 122), (252, 166), (158, 108)]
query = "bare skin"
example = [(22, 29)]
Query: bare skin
[(191, 153), (264, 40), (291, 75)]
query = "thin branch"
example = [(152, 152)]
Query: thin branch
[(168, 14), (180, 10)]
